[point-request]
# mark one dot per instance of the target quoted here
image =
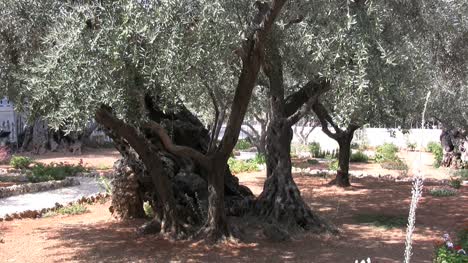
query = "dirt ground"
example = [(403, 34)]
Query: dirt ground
[(97, 237)]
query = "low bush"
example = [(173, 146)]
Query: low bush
[(20, 162), (148, 209), (386, 152), (314, 149), (259, 159), (241, 166), (436, 149), (397, 164), (463, 174), (312, 162), (381, 220), (333, 165), (359, 157), (455, 183), (105, 183), (42, 173), (411, 146), (442, 192), (243, 144), (75, 209)]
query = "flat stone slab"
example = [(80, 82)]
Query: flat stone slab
[(48, 199)]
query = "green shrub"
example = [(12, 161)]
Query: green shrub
[(386, 152), (333, 165), (411, 146), (397, 164), (314, 149), (436, 150), (259, 159), (20, 162), (148, 209), (359, 157), (75, 209), (380, 220), (446, 255), (431, 146), (241, 166), (41, 172), (105, 183), (463, 174), (442, 192), (455, 183), (312, 162), (243, 144)]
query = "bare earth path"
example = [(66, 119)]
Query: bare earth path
[(96, 237)]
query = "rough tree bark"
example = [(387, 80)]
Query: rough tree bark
[(343, 137), (214, 163), (281, 201), (167, 217)]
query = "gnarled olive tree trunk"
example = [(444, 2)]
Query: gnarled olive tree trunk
[(281, 201)]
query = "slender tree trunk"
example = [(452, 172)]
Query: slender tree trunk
[(342, 175)]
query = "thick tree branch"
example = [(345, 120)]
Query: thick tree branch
[(253, 56), (312, 91), (178, 150), (317, 86), (326, 119)]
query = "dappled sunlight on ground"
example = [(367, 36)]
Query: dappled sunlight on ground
[(97, 237)]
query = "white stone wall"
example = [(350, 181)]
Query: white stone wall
[(371, 136)]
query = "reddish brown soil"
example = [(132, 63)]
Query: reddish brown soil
[(96, 237)]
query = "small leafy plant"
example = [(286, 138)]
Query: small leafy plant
[(314, 149), (20, 162), (411, 146), (442, 192), (312, 161), (455, 183), (241, 166), (386, 152), (242, 144), (436, 149), (333, 165), (148, 209), (463, 174), (397, 164), (451, 252), (74, 209), (54, 171), (359, 157)]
